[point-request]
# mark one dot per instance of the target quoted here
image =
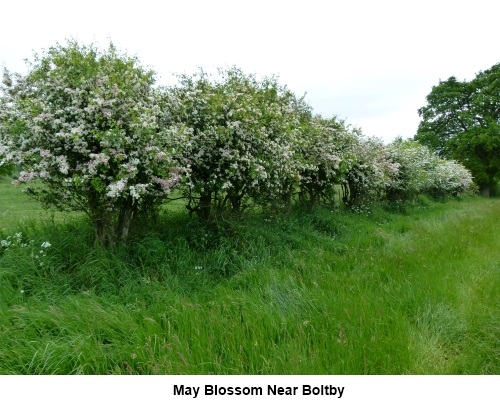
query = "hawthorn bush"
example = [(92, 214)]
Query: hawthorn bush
[(449, 178), (422, 171), (325, 156), (86, 127), (369, 171), (242, 143), (415, 163)]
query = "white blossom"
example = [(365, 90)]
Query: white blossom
[(96, 134)]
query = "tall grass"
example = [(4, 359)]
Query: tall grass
[(401, 290)]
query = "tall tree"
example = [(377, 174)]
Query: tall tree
[(462, 121)]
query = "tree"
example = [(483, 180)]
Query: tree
[(461, 121), (324, 152), (85, 126), (369, 170), (241, 145), (422, 171)]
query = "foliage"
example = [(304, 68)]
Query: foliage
[(85, 126), (421, 171), (369, 171), (243, 133), (325, 155), (462, 121), (6, 169)]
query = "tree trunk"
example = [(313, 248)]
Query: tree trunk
[(205, 206), (235, 201), (100, 219), (103, 233), (124, 221), (353, 194), (287, 198), (485, 191)]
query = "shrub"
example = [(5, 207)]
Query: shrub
[(242, 139), (85, 125), (325, 157), (421, 171), (369, 170)]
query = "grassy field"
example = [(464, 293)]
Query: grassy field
[(14, 206), (412, 289)]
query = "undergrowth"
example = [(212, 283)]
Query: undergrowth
[(398, 289)]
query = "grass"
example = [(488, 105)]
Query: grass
[(402, 290), (17, 208), (14, 206)]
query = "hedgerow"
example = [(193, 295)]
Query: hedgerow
[(93, 133)]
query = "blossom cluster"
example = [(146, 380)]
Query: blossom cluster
[(14, 240), (421, 171)]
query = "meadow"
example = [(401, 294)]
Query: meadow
[(399, 289)]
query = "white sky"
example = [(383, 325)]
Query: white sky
[(370, 62)]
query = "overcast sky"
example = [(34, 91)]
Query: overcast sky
[(370, 62)]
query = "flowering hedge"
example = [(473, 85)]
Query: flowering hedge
[(326, 155), (369, 172), (422, 171), (242, 137), (91, 132), (85, 126)]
